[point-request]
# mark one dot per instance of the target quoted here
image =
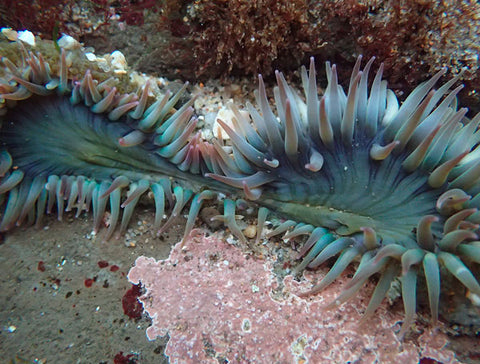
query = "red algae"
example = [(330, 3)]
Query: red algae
[(41, 266), (218, 304), (131, 306), (102, 264), (124, 359), (88, 282)]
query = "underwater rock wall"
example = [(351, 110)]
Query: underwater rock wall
[(209, 39)]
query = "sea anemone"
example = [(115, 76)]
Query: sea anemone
[(393, 187), (80, 144)]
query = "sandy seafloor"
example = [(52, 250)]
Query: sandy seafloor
[(52, 316)]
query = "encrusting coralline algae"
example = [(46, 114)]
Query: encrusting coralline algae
[(219, 304)]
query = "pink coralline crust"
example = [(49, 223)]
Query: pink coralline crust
[(218, 303)]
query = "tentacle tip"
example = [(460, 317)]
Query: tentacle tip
[(364, 319), (330, 306), (303, 294), (311, 167), (274, 163), (182, 243)]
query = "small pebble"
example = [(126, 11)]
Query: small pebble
[(206, 215), (250, 231)]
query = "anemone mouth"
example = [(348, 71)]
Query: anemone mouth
[(51, 136), (353, 191)]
